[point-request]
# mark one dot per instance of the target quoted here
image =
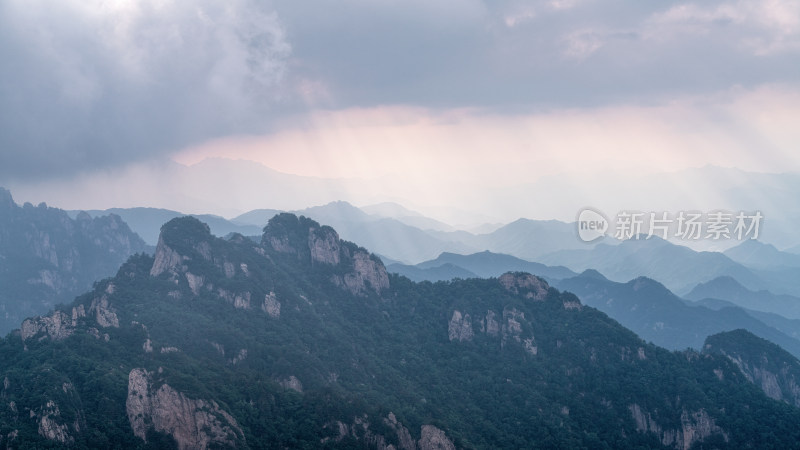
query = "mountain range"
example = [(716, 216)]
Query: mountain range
[(47, 258), (146, 222), (304, 340), (409, 238), (484, 265), (389, 229), (657, 315), (729, 289)]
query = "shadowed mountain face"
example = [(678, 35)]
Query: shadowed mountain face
[(763, 363), (403, 235), (448, 266), (529, 239), (385, 236), (47, 258), (729, 289), (657, 315), (147, 222), (444, 272), (757, 255), (677, 267), (304, 340)]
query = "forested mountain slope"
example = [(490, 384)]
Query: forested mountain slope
[(305, 341)]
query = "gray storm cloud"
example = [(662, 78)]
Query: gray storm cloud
[(514, 55), (90, 84)]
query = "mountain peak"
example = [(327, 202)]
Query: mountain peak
[(526, 284), (640, 283), (593, 274), (336, 209), (724, 281), (186, 230), (6, 200), (288, 233), (317, 244), (389, 209), (762, 362), (181, 239)]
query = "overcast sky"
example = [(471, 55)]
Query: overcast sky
[(425, 95)]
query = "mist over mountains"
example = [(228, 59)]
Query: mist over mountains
[(399, 225), (324, 287), (187, 189), (304, 339), (47, 258)]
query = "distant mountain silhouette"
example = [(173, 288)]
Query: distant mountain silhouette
[(728, 288), (677, 267), (657, 315), (146, 222), (487, 264), (444, 272), (47, 258), (302, 340), (757, 255)]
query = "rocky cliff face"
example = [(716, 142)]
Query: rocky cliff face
[(193, 423), (55, 417), (762, 363), (510, 325), (431, 437), (59, 325), (460, 327), (368, 274), (780, 385), (696, 427), (323, 243), (359, 272), (50, 426), (224, 342), (166, 259), (49, 258), (529, 285)]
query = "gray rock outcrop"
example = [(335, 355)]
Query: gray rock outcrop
[(431, 437), (695, 427), (359, 271), (460, 327), (324, 245), (193, 423), (271, 305), (104, 314), (49, 426), (368, 273), (779, 385), (57, 326), (165, 258), (530, 286), (434, 439)]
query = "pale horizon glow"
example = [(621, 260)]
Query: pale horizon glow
[(486, 112), (467, 145)]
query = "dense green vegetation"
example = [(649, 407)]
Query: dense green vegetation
[(365, 356)]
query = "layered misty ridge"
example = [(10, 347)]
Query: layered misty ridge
[(303, 339), (731, 290), (406, 237), (47, 258), (187, 188)]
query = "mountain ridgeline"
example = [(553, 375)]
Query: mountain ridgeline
[(305, 341), (762, 362), (48, 258)]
